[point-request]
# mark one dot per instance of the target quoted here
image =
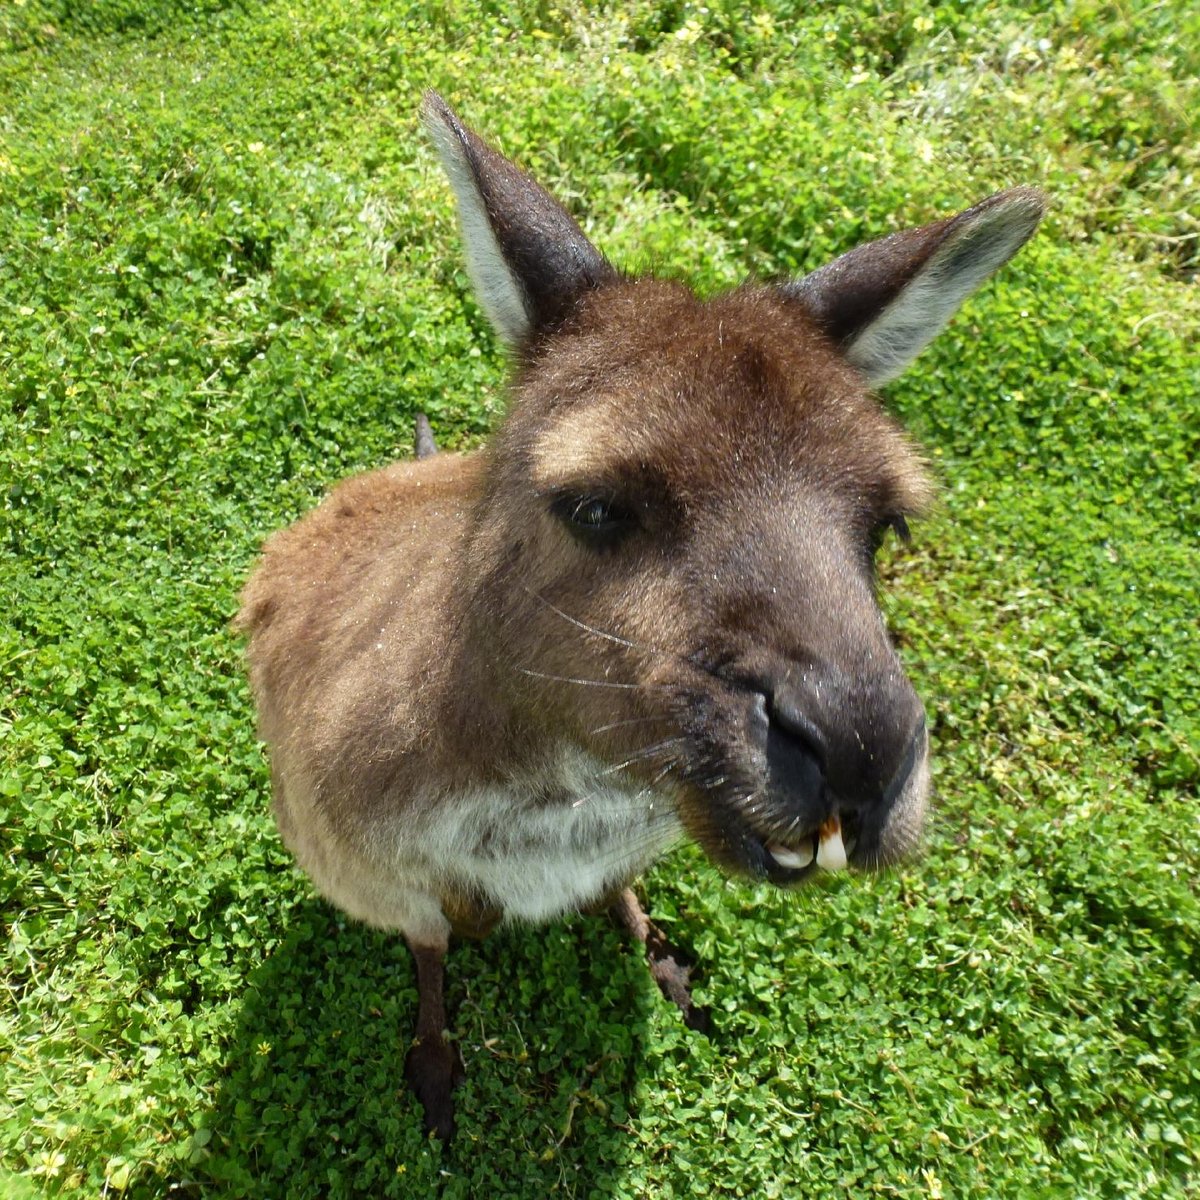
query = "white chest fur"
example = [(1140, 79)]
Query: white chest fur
[(549, 844)]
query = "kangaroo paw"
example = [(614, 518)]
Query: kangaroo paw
[(671, 969), (669, 966), (433, 1069)]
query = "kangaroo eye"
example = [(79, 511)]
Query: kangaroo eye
[(594, 520), (592, 514)]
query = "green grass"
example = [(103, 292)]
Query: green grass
[(229, 275)]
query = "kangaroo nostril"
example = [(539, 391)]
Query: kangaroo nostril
[(795, 748), (793, 770), (787, 715)]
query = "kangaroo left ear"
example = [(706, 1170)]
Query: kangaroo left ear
[(884, 302), (527, 257)]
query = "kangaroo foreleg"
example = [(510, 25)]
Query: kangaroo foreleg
[(670, 967)]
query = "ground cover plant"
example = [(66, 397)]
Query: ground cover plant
[(229, 276)]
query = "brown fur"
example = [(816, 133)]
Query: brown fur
[(462, 683), (393, 587)]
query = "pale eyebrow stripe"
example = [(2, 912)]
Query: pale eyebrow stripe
[(574, 448)]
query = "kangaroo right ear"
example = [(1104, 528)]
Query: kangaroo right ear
[(527, 257), (884, 302)]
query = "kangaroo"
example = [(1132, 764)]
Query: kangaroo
[(499, 685)]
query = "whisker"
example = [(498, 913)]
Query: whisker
[(793, 825), (670, 766), (652, 831), (630, 852), (636, 800), (648, 752), (588, 682), (628, 643), (628, 721), (612, 637)]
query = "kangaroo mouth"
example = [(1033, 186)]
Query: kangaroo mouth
[(788, 861), (828, 848)]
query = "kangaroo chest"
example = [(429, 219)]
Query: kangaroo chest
[(550, 844)]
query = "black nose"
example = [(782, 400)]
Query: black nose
[(835, 741)]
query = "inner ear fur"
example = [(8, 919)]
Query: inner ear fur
[(883, 302), (527, 257)]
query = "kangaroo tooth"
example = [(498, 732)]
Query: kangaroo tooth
[(792, 859), (831, 850)]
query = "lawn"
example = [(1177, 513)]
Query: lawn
[(230, 275)]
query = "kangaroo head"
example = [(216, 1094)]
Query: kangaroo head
[(670, 561)]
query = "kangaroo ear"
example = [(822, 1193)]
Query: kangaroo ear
[(885, 301), (528, 259)]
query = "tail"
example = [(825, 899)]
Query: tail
[(426, 446)]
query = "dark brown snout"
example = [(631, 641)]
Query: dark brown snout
[(829, 768)]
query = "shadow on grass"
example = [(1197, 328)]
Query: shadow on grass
[(552, 1024)]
